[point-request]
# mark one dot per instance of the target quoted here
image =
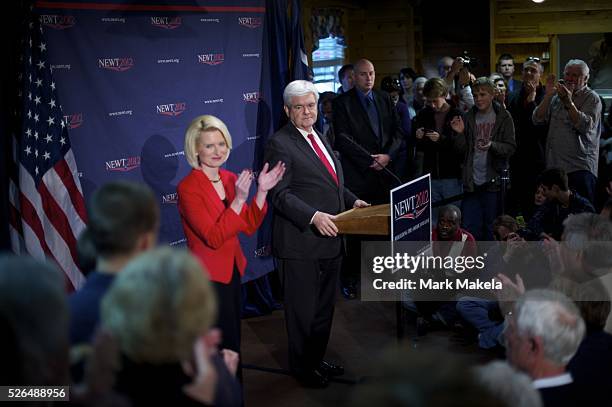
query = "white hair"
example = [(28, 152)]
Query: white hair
[(420, 79), (508, 384), (590, 234), (578, 62), (554, 318), (299, 88)]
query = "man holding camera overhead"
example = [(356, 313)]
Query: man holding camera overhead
[(457, 75), (573, 113)]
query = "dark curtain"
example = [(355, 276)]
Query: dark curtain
[(283, 61)]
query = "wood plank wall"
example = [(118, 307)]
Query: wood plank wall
[(524, 28)]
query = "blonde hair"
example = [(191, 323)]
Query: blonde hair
[(159, 305), (199, 125), (484, 83)]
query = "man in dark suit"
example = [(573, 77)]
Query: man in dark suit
[(368, 135), (368, 117), (304, 238)]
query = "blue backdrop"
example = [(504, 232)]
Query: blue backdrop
[(131, 78)]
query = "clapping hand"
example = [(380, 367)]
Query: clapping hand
[(243, 184), (269, 178)]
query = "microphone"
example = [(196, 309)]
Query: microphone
[(366, 152)]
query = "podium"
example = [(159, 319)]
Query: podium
[(371, 220)]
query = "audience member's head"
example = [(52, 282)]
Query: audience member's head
[(500, 85), (503, 226), (553, 182), (587, 240), (158, 306), (123, 220), (444, 66), (435, 92), (364, 76), (325, 104), (417, 88), (346, 77), (505, 66), (406, 79), (484, 92), (418, 378), (543, 333), (532, 71), (33, 323), (507, 384), (539, 198), (392, 86), (576, 74), (449, 220)]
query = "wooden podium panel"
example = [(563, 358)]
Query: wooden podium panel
[(372, 220)]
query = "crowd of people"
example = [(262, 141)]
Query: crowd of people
[(511, 162)]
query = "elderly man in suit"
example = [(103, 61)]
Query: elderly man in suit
[(305, 239)]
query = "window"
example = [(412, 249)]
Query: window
[(327, 60)]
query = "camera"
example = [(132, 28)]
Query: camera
[(468, 61)]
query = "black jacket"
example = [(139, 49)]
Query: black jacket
[(440, 158), (351, 120)]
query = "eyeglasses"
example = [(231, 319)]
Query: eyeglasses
[(534, 59)]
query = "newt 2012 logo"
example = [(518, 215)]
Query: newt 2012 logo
[(250, 22), (169, 23), (211, 59), (123, 164), (170, 199), (172, 109), (412, 207), (73, 120), (251, 97), (57, 22), (116, 64)]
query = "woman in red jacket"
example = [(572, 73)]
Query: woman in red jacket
[(213, 209)]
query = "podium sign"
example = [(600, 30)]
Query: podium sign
[(411, 211)]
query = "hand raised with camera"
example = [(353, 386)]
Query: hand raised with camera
[(464, 76)]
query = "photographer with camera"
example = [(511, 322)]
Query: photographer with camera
[(573, 114), (456, 73)]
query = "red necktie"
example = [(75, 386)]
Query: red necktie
[(322, 157)]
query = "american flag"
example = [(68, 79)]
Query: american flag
[(46, 200)]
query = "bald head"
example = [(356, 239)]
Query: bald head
[(364, 75)]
